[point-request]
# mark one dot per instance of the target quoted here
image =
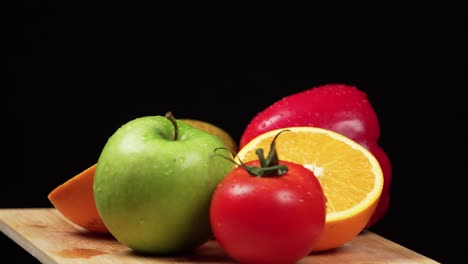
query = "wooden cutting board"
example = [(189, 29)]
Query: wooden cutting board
[(48, 236)]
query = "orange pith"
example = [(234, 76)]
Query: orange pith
[(350, 175), (74, 199)]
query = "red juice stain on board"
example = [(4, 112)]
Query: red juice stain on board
[(80, 253)]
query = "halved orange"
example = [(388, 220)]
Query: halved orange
[(350, 176), (74, 199)]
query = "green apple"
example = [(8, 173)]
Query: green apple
[(154, 181)]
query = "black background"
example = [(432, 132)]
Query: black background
[(78, 71)]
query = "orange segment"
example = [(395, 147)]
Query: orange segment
[(74, 199), (350, 175)]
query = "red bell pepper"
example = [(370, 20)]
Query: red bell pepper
[(342, 108)]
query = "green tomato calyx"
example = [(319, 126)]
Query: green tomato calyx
[(269, 165)]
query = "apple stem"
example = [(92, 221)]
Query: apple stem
[(269, 166), (171, 118)]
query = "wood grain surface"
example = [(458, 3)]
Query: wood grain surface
[(49, 237)]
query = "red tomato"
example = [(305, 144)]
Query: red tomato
[(268, 219)]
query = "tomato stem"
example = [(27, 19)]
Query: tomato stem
[(269, 166)]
